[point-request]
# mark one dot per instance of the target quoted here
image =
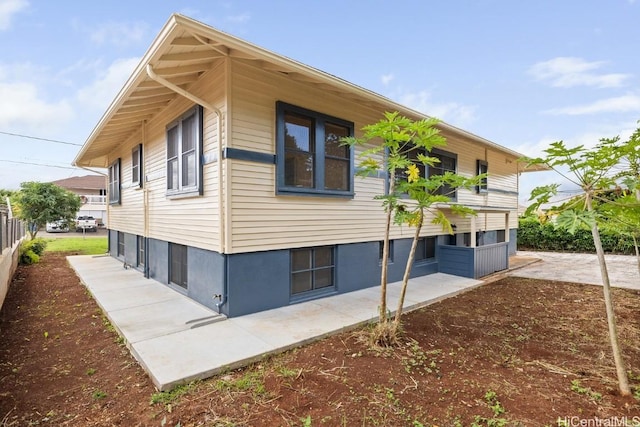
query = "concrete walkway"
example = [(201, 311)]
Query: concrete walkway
[(581, 268), (177, 340)]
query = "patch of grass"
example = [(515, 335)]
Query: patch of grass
[(88, 246), (289, 373), (250, 380), (491, 399), (587, 391), (167, 397), (91, 371)]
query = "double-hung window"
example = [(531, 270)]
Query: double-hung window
[(114, 183), (310, 156), (136, 166), (184, 150), (447, 163)]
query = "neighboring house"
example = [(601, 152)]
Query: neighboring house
[(226, 182), (92, 190)]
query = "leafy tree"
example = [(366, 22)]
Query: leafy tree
[(592, 171), (42, 202), (399, 146), (623, 215), (4, 194), (625, 210)]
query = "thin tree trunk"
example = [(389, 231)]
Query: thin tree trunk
[(623, 382), (635, 242), (635, 246), (407, 271), (385, 257)]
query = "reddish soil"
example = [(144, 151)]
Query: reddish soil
[(515, 352)]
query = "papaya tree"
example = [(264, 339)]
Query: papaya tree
[(593, 171), (399, 147), (425, 194)]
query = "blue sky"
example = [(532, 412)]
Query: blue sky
[(522, 74)]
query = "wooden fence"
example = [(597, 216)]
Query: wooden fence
[(11, 230)]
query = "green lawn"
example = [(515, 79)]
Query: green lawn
[(89, 246)]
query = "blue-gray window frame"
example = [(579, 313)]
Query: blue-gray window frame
[(198, 110), (438, 152), (115, 188), (319, 120), (182, 263), (141, 249), (424, 257), (433, 153), (482, 166), (121, 244), (313, 291), (381, 250)]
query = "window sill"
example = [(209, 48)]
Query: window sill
[(183, 195), (310, 192), (424, 261), (311, 295)]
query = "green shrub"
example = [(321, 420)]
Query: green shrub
[(28, 257), (532, 235), (30, 251), (38, 245)]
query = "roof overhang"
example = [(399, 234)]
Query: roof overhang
[(182, 53)]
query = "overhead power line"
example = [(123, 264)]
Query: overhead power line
[(40, 139), (38, 164)]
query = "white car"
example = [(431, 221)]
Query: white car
[(59, 226)]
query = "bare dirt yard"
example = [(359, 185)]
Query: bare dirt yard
[(515, 352)]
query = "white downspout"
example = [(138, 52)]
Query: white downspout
[(218, 113)]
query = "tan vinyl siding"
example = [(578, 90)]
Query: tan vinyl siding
[(192, 221), (258, 218), (261, 220), (128, 216)]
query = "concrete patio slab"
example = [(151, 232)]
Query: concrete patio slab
[(581, 268), (172, 337)]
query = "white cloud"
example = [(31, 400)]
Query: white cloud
[(386, 78), (119, 33), (451, 112), (619, 104), (8, 8), (23, 106), (570, 71), (103, 90)]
